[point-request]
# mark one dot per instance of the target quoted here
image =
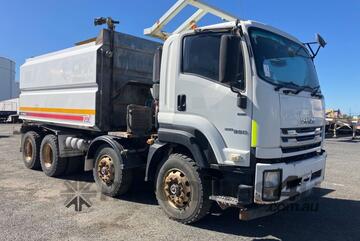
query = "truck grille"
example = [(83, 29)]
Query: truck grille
[(290, 159), (300, 139), (300, 130), (299, 148)]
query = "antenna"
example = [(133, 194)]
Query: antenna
[(157, 29)]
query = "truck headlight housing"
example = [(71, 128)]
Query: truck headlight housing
[(272, 185)]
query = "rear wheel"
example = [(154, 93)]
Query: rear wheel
[(30, 146), (181, 189), (51, 163), (109, 174)]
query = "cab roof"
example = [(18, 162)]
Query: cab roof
[(250, 23)]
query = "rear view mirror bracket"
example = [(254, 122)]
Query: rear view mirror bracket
[(241, 99), (320, 41)]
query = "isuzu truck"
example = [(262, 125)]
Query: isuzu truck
[(230, 113)]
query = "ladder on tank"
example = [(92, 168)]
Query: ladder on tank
[(157, 29)]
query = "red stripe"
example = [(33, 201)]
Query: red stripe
[(56, 116)]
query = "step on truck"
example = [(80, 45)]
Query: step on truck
[(229, 114)]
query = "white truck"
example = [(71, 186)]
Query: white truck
[(9, 111), (230, 113)]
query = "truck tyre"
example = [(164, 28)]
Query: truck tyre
[(109, 174), (30, 146), (51, 163), (181, 189)]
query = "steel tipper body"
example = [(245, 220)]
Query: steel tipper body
[(88, 86), (55, 89), (236, 114)]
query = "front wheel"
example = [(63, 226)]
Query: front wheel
[(181, 189), (109, 173)]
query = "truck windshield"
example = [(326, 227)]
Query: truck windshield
[(282, 62)]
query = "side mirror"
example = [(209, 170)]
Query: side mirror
[(230, 53), (157, 65), (320, 40)]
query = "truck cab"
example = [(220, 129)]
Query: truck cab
[(245, 99)]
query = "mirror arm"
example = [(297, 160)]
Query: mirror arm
[(310, 48), (237, 30), (314, 53), (317, 51), (241, 99), (233, 90)]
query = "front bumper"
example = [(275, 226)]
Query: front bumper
[(259, 211), (297, 177)]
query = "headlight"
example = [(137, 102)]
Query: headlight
[(272, 185)]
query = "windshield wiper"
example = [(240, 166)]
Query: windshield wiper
[(316, 92), (296, 89), (290, 85), (302, 89)]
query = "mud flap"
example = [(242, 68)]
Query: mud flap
[(89, 164)]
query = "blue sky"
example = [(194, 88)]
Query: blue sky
[(30, 28)]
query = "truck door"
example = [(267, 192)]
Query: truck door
[(211, 104)]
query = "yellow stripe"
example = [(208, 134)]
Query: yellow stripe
[(254, 133), (59, 110)]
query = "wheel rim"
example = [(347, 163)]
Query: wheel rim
[(177, 189), (47, 155), (28, 150), (106, 170)]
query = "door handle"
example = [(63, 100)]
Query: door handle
[(181, 103)]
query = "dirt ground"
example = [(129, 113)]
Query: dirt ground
[(32, 206)]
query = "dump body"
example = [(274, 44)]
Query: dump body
[(88, 86)]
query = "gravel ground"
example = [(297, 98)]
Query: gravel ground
[(32, 207)]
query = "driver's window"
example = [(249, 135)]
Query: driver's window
[(201, 56)]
